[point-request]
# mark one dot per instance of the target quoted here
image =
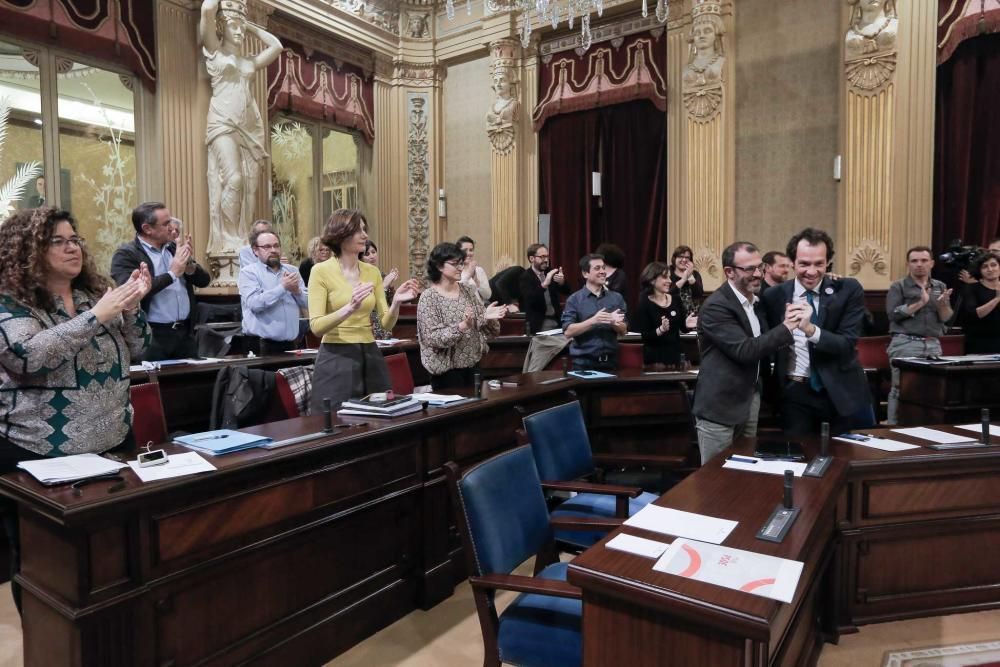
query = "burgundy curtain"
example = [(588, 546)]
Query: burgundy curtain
[(627, 143), (967, 144)]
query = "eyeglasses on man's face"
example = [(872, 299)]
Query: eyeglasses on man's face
[(62, 243), (759, 268), (270, 246)]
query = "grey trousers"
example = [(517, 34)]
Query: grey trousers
[(899, 347), (347, 370), (713, 437)]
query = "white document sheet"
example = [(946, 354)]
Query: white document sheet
[(884, 444), (933, 435), (639, 546), (177, 465), (765, 466), (978, 429), (437, 399), (682, 524), (549, 332), (60, 469), (757, 574)]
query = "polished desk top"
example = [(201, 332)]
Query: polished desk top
[(749, 498), (60, 500)]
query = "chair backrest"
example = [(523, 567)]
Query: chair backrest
[(953, 346), (559, 442), (285, 396), (501, 511), (630, 355), (399, 373), (148, 421), (872, 351), (512, 326)]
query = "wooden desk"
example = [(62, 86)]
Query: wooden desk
[(282, 557), (187, 390), (884, 536), (950, 394)]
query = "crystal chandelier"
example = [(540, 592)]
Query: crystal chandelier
[(553, 12)]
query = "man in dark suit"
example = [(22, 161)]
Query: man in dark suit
[(734, 340), (820, 376), (541, 288), (170, 304)]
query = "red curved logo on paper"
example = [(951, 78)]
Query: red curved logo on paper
[(748, 587), (695, 561)]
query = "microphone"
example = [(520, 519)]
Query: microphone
[(984, 416), (327, 416), (824, 439), (789, 477)]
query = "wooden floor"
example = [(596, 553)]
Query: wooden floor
[(448, 636)]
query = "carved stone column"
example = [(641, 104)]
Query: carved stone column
[(509, 145), (707, 220), (888, 135), (405, 161), (182, 107)]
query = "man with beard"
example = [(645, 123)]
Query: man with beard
[(777, 268), (272, 295), (541, 287), (734, 340)]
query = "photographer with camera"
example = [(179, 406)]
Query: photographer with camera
[(964, 275)]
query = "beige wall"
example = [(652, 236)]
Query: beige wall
[(787, 83), (467, 98)]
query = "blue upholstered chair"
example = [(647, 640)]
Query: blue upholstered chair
[(561, 448), (503, 519)]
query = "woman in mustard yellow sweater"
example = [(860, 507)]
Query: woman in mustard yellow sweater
[(342, 294)]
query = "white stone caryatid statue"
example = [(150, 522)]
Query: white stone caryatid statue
[(702, 77), (235, 137), (504, 111), (870, 45)]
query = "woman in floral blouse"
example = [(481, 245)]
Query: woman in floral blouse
[(452, 324), (67, 338)]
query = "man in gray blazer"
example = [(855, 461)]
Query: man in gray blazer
[(733, 335)]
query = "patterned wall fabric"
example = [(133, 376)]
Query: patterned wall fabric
[(315, 85), (119, 31), (620, 70)]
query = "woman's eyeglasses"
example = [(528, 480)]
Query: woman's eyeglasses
[(61, 243)]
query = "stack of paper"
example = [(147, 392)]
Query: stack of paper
[(437, 400), (885, 444), (767, 466), (401, 406), (933, 435), (63, 469), (223, 441)]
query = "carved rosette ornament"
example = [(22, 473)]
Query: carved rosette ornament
[(418, 186), (703, 81), (706, 261), (869, 254), (504, 112), (870, 45)]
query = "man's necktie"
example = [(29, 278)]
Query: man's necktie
[(814, 380)]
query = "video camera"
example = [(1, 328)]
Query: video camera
[(961, 256)]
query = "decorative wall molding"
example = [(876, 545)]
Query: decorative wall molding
[(870, 48), (418, 184), (383, 14), (418, 74), (869, 75), (604, 33), (706, 261), (312, 40), (703, 78), (869, 254)]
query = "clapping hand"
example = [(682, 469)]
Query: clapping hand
[(469, 271), (691, 322), (290, 281), (511, 308), (468, 321), (944, 300), (495, 312), (617, 318), (359, 294), (966, 277), (559, 277), (602, 317), (117, 299), (407, 291), (390, 278), (664, 326)]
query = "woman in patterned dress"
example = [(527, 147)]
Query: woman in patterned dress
[(452, 324)]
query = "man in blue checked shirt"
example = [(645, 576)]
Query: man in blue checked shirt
[(273, 296)]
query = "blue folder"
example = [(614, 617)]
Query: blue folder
[(222, 441)]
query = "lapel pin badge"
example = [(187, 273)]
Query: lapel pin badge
[(829, 290)]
